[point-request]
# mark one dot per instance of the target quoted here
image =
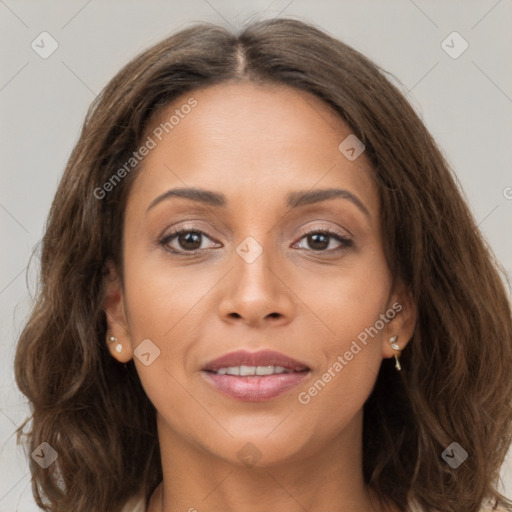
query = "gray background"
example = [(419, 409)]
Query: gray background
[(465, 102)]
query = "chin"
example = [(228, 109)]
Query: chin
[(261, 450)]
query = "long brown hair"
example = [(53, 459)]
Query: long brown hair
[(456, 383)]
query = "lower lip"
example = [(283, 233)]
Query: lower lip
[(255, 388)]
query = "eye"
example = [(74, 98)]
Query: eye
[(185, 240), (190, 240), (320, 240)]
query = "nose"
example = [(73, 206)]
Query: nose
[(256, 295)]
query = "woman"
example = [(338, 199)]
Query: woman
[(262, 288)]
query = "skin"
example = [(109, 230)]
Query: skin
[(255, 144)]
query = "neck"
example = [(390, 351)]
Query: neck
[(327, 478)]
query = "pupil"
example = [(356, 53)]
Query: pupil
[(191, 237), (319, 241)]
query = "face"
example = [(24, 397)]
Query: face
[(280, 251)]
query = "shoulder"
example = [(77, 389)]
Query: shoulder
[(135, 504)]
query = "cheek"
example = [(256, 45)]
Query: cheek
[(347, 299), (161, 297), (350, 305), (167, 306), (162, 306)]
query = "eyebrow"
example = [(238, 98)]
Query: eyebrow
[(293, 200)]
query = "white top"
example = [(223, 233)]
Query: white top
[(136, 504)]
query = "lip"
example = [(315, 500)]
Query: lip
[(255, 388), (261, 358)]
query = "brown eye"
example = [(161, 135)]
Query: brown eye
[(321, 240), (185, 240), (189, 240), (318, 241)]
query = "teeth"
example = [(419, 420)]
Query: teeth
[(253, 370)]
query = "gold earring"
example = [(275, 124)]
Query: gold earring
[(396, 347)]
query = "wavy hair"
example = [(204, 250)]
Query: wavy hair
[(456, 381)]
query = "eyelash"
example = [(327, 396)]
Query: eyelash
[(345, 241)]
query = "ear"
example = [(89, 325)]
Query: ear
[(118, 333), (403, 320)]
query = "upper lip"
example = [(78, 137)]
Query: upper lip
[(261, 358)]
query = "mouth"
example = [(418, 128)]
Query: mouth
[(255, 376)]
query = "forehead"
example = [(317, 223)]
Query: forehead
[(250, 140)]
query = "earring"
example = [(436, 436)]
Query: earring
[(119, 347), (396, 347)]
